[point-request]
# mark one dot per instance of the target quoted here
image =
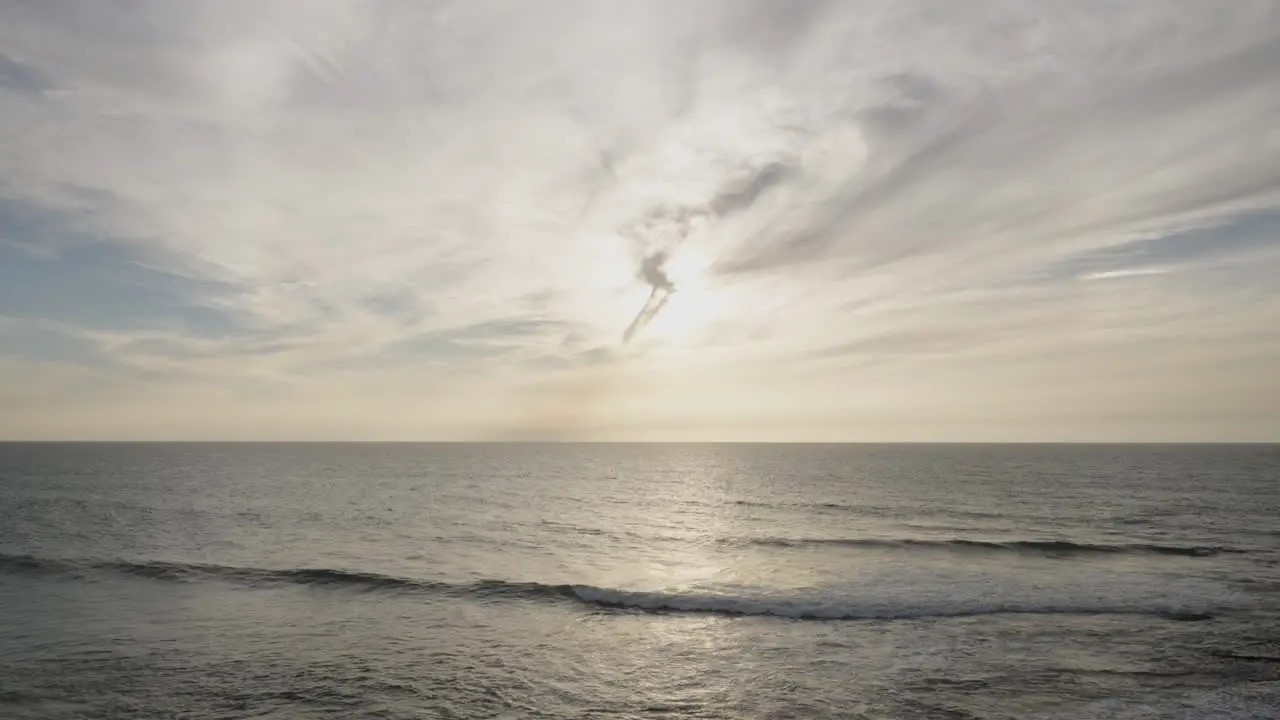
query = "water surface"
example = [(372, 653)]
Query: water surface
[(629, 581)]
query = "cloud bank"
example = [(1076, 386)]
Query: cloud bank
[(863, 220)]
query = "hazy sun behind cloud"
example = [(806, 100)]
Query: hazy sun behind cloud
[(664, 220)]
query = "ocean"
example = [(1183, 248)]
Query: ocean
[(639, 581)]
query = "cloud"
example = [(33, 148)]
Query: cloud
[(1128, 272), (899, 200), (658, 298)]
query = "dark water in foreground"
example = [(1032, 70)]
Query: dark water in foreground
[(639, 581)]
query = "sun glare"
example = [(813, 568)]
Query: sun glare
[(693, 306)]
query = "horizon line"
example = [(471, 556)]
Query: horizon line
[(4, 441)]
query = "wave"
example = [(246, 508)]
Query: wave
[(602, 598), (162, 570), (1043, 547), (801, 609), (880, 510), (812, 506)]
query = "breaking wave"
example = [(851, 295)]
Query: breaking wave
[(603, 598)]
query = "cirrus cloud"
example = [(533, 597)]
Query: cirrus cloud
[(866, 220)]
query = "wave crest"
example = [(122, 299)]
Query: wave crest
[(800, 609), (1043, 547), (605, 598)]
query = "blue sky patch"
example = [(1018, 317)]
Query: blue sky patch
[(50, 269)]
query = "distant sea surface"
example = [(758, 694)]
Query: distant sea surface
[(639, 581)]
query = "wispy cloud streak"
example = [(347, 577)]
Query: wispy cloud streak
[(917, 203)]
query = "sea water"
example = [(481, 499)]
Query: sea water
[(639, 581)]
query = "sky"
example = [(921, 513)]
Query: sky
[(854, 220)]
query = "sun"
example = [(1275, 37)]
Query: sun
[(692, 308)]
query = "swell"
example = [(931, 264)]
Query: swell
[(191, 572), (1042, 547), (881, 511), (812, 506), (602, 598)]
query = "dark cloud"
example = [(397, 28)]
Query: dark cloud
[(669, 226), (661, 288), (653, 305), (653, 272)]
